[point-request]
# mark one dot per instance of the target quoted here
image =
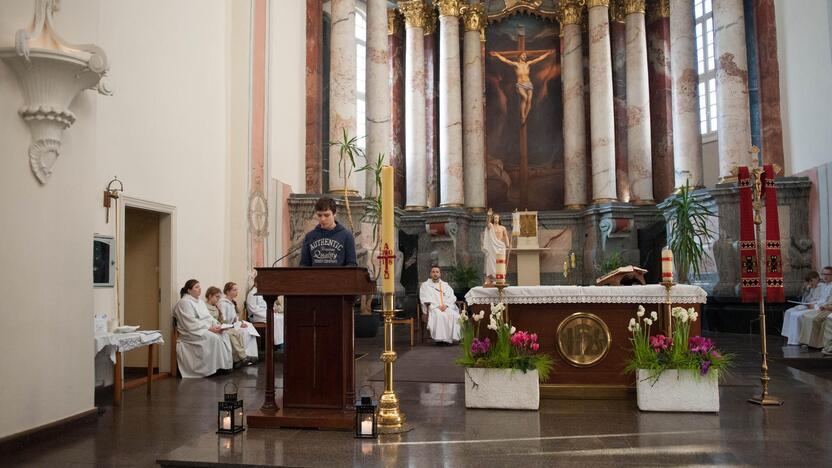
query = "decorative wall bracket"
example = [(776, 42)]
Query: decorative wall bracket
[(51, 73)]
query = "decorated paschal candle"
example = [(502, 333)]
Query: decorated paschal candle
[(667, 265), (500, 274)]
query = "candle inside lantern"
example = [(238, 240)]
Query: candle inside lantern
[(388, 241), (367, 427), (226, 423), (667, 265), (500, 274)]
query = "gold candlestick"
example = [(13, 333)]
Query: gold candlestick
[(668, 313), (764, 399)]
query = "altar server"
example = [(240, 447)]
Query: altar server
[(812, 294), (813, 323), (443, 314), (243, 335), (202, 348), (256, 308)]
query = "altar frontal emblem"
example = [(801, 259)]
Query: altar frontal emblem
[(583, 339)]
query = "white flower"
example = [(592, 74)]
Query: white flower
[(680, 313), (693, 316), (512, 330), (492, 324), (640, 311), (632, 325), (463, 317), (479, 316), (654, 315), (648, 321)]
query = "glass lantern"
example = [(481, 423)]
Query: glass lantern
[(365, 416), (230, 413)]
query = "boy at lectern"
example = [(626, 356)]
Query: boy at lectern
[(330, 243)]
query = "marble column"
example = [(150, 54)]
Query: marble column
[(574, 127), (473, 111), (601, 103), (618, 46), (734, 131), (342, 83), (687, 147), (451, 191), (377, 88), (314, 98), (395, 36), (431, 106), (769, 82), (639, 149), (661, 102), (414, 104)]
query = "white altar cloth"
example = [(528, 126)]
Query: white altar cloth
[(637, 294), (123, 342)]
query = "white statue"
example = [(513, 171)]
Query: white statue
[(494, 239)]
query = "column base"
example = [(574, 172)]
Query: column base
[(728, 180), (644, 202), (451, 205), (575, 206), (476, 209), (416, 208), (599, 201), (344, 192)]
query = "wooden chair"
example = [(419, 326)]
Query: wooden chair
[(174, 336), (424, 312), (404, 321)]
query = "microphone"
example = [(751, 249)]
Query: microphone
[(287, 254)]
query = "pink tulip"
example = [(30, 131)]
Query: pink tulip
[(535, 346)]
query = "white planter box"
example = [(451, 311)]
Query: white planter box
[(677, 390), (501, 388)]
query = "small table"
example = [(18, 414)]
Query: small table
[(119, 343)]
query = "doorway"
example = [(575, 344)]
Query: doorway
[(142, 293)]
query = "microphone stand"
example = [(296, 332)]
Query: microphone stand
[(287, 254)]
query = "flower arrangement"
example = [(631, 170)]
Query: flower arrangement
[(513, 349), (657, 353)]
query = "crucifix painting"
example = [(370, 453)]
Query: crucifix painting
[(524, 115)]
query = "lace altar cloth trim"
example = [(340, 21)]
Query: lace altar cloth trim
[(646, 294), (126, 341)]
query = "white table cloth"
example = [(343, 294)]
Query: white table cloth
[(637, 294), (123, 342)]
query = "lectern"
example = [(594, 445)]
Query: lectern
[(318, 369)]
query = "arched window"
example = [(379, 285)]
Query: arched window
[(706, 66)]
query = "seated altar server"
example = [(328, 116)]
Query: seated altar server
[(811, 324), (811, 294), (256, 309), (202, 348), (330, 243), (242, 336), (443, 314)]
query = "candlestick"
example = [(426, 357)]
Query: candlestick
[(574, 260), (500, 274), (667, 265), (388, 240)]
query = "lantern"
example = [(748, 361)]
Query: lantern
[(365, 416), (230, 413)]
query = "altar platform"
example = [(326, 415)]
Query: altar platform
[(584, 329)]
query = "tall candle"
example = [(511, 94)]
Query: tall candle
[(388, 240), (667, 265), (500, 274), (515, 223)]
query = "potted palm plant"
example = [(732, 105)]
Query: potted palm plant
[(689, 233)]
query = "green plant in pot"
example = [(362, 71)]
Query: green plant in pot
[(464, 278), (687, 219)]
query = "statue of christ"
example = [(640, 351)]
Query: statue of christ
[(524, 84)]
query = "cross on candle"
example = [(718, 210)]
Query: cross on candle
[(387, 257)]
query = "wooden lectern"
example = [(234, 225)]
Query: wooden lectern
[(318, 369)]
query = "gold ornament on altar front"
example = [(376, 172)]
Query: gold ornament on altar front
[(414, 13), (448, 7), (571, 12), (583, 339)]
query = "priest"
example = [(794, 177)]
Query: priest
[(438, 298)]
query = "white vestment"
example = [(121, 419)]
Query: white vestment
[(249, 333), (256, 308), (803, 322), (443, 325), (199, 351), (490, 246), (793, 317)]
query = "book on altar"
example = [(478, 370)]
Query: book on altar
[(625, 275)]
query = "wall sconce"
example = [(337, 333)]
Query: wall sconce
[(111, 193), (51, 73)]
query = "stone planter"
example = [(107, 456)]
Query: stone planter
[(678, 390), (501, 388)]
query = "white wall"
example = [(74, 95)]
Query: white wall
[(803, 50), (46, 247)]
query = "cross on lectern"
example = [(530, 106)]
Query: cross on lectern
[(387, 257), (315, 326), (525, 59)]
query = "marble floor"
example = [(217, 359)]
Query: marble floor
[(177, 424)]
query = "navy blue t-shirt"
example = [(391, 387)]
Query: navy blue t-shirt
[(322, 247)]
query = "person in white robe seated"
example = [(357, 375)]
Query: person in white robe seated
[(811, 295), (813, 323), (243, 341), (247, 332), (256, 308), (202, 348), (443, 314)]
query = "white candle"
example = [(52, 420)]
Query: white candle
[(667, 265), (366, 427), (226, 423), (500, 274), (515, 223)]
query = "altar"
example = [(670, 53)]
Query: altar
[(584, 329)]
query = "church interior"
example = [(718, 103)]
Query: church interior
[(555, 211)]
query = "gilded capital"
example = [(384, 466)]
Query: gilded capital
[(633, 6), (570, 12), (656, 9), (474, 17), (431, 20), (617, 14), (394, 22), (414, 13), (448, 7), (596, 3)]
